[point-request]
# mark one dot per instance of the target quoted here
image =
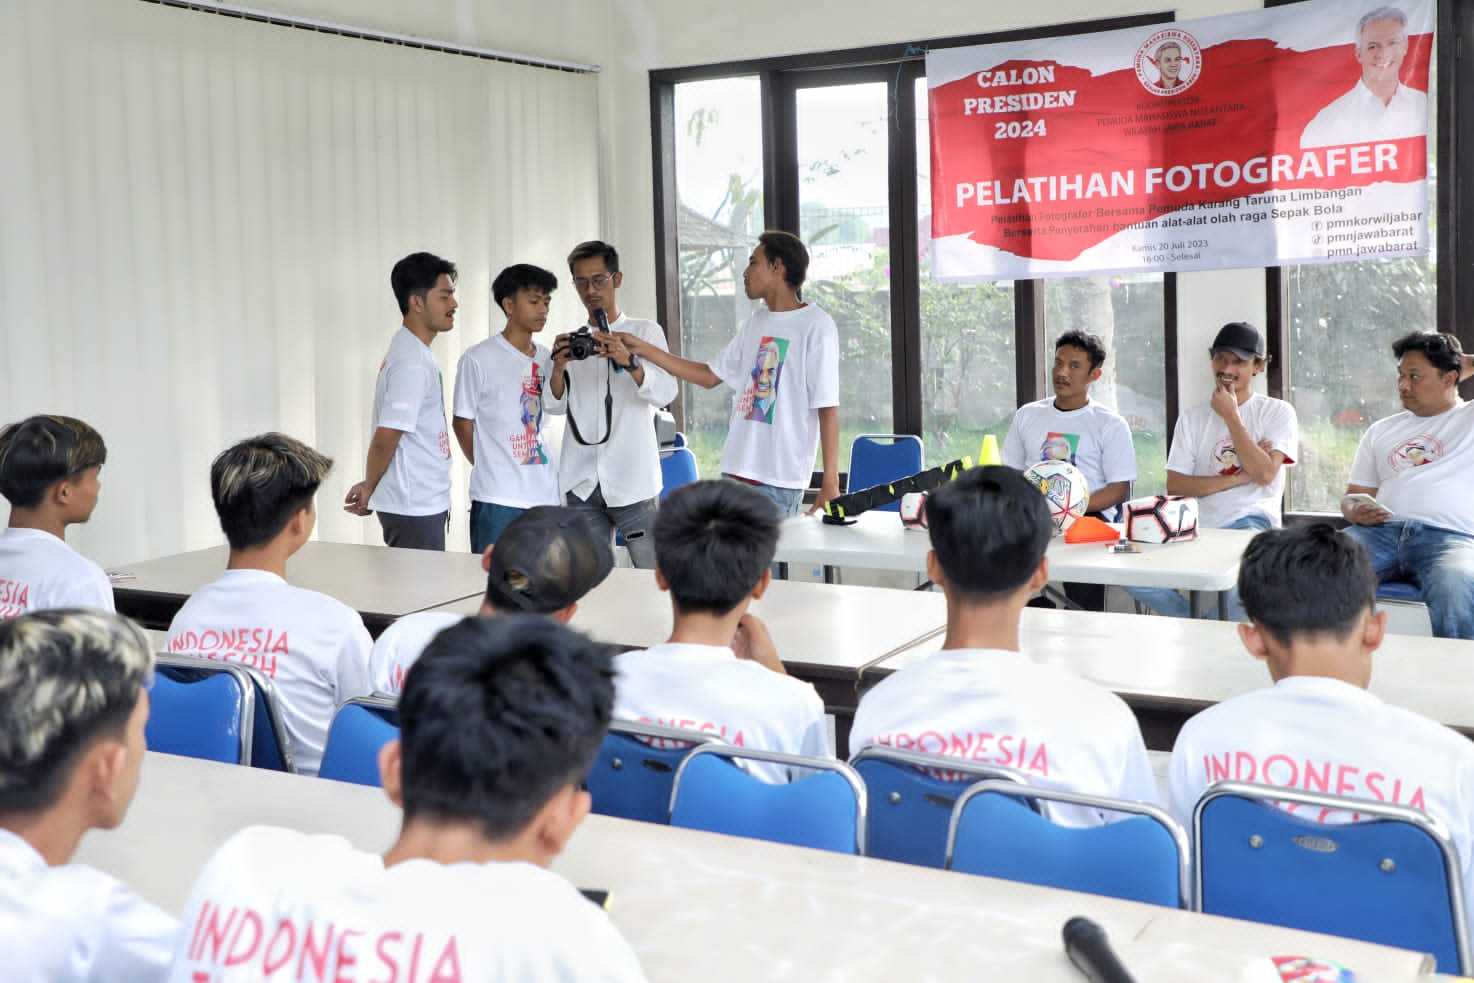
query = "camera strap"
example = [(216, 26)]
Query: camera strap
[(608, 410)]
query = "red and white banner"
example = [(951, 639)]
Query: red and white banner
[(1289, 135)]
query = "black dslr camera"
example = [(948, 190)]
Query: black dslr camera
[(581, 344)]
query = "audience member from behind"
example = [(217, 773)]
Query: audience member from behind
[(313, 648), (73, 703), (501, 720), (719, 672), (1310, 593), (980, 698), (48, 473), (543, 563)]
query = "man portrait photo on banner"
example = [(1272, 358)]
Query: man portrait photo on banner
[(1379, 106)]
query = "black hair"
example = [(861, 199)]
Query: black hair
[(1438, 347), (989, 529), (594, 249), (260, 483), (1085, 341), (1306, 580), (497, 715), (788, 249), (521, 276), (39, 451), (416, 275), (713, 541)]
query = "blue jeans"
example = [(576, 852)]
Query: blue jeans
[(635, 522), (487, 523), (1439, 561), (1174, 605), (785, 500)]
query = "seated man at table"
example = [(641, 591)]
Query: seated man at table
[(1419, 465), (1230, 453), (544, 562), (500, 721), (73, 704), (313, 648), (48, 473), (719, 672), (982, 699), (1310, 593)]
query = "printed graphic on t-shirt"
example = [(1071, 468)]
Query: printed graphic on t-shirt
[(1226, 458), (252, 646), (527, 446), (1059, 447), (444, 441), (1313, 774), (15, 598), (761, 397), (1415, 452), (1303, 969), (981, 747)]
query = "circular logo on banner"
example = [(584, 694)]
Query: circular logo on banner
[(1169, 62)]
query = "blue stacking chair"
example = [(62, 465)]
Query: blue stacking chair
[(1140, 858), (632, 778), (1393, 878), (677, 468), (360, 728), (201, 709), (879, 458), (270, 748), (825, 811), (680, 439), (910, 809)]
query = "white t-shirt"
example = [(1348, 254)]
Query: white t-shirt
[(409, 397), (502, 389), (1360, 116), (39, 571), (1421, 466), (313, 648), (1201, 446), (275, 904), (1094, 438), (401, 644), (71, 924), (707, 688), (994, 707), (1325, 735), (782, 368), (626, 468)]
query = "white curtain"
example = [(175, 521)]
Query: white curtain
[(198, 216)]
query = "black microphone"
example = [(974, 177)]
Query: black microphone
[(1089, 949), (601, 321)]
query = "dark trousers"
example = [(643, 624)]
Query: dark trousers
[(414, 532)]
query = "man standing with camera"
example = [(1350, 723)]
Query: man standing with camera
[(610, 463)]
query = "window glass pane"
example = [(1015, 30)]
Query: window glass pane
[(1343, 318), (967, 339), (844, 219), (1127, 312), (719, 189)]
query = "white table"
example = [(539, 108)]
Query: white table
[(378, 582), (877, 540), (701, 906)]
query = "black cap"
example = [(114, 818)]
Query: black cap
[(1243, 339), (546, 559)]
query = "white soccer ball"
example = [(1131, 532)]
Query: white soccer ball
[(1064, 488), (1161, 519)]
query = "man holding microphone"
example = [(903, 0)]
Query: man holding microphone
[(610, 463)]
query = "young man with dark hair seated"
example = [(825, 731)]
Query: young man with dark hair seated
[(1310, 595), (981, 698), (48, 473), (73, 704), (501, 719), (544, 562), (312, 647), (719, 672)]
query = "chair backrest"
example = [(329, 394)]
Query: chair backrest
[(1392, 877), (1141, 858), (825, 810), (270, 748), (879, 458), (910, 805), (201, 709), (360, 728), (677, 468), (635, 771)]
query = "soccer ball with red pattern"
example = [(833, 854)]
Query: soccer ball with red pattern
[(1064, 488), (1161, 519)]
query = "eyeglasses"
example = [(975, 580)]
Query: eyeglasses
[(598, 281)]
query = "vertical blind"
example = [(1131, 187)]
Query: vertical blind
[(198, 216)]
